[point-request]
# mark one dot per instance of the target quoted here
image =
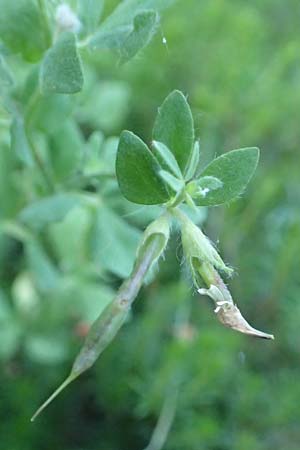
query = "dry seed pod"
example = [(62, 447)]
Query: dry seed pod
[(229, 314)]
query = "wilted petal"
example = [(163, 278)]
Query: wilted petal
[(230, 316)]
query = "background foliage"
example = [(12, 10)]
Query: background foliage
[(61, 261)]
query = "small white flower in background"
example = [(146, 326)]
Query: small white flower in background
[(164, 40), (66, 19)]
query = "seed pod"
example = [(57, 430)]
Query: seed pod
[(226, 311), (112, 318)]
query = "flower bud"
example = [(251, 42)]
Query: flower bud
[(197, 246)]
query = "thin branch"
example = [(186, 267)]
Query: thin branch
[(165, 420)]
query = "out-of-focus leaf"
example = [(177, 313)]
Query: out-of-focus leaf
[(10, 329), (117, 27), (92, 161), (109, 153), (6, 77), (90, 12), (144, 27), (113, 97), (22, 28), (25, 296), (126, 10), (234, 169), (46, 349), (44, 273), (114, 243), (10, 334), (61, 71), (11, 199), (70, 238), (137, 172), (174, 126), (51, 112), (66, 150), (19, 141), (82, 299), (5, 310), (48, 210)]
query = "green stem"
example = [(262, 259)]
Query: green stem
[(164, 423)]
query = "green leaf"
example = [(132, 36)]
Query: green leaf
[(51, 112), (118, 26), (10, 329), (175, 184), (193, 162), (19, 142), (113, 97), (6, 78), (70, 238), (209, 182), (127, 9), (44, 273), (22, 28), (137, 172), (10, 337), (114, 243), (46, 348), (66, 150), (166, 158), (174, 127), (61, 71), (144, 27), (48, 210), (110, 40), (200, 187), (234, 169), (90, 12)]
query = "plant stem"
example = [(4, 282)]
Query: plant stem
[(164, 423)]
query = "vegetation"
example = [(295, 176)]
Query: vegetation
[(77, 219)]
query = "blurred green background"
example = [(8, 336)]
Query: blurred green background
[(238, 63)]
